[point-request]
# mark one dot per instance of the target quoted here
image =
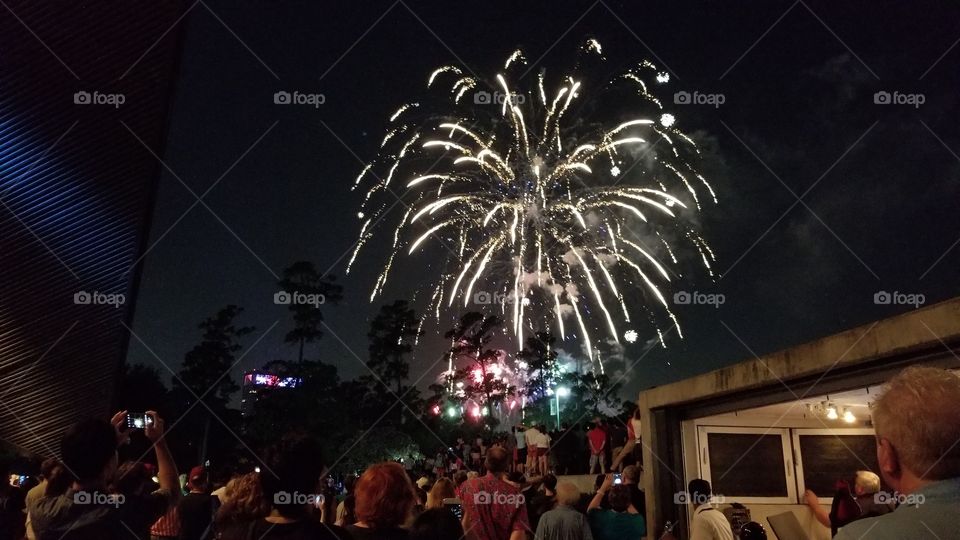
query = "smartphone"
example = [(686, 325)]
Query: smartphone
[(617, 478), (455, 506), (138, 420), (668, 528), (17, 480)]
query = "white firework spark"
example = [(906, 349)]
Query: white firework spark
[(557, 206)]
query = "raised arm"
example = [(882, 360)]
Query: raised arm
[(166, 468)]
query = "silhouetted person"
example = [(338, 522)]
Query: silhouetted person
[(87, 510)]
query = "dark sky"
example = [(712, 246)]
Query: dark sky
[(879, 184)]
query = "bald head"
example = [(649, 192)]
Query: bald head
[(567, 494), (919, 414)]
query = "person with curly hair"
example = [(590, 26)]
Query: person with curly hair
[(242, 502)]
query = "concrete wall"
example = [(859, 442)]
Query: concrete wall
[(914, 333)]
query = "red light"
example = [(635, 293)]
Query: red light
[(436, 409)]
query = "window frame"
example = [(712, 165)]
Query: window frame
[(795, 435), (789, 467)]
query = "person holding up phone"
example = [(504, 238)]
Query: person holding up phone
[(88, 510), (621, 521)]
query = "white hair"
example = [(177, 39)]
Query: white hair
[(919, 413), (868, 482), (567, 493)]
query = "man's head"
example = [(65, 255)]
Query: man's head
[(699, 492), (48, 466), (293, 466), (198, 480), (89, 451), (631, 474), (917, 422), (497, 460), (866, 483), (567, 494)]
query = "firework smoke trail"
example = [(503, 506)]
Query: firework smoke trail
[(555, 204)]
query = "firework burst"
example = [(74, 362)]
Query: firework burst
[(563, 205)]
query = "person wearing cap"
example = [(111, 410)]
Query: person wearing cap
[(196, 508)]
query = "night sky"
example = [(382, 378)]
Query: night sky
[(826, 197)]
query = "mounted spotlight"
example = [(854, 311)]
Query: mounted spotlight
[(832, 413)]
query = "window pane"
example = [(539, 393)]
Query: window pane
[(828, 458), (747, 464)]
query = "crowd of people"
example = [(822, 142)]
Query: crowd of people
[(504, 488), (579, 449)]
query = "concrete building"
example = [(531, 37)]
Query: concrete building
[(762, 431), (83, 116)]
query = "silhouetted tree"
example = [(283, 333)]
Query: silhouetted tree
[(541, 360), (205, 373), (392, 335), (306, 290), (470, 337), (141, 389)]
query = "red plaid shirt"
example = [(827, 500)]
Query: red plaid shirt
[(167, 525), (493, 508)]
